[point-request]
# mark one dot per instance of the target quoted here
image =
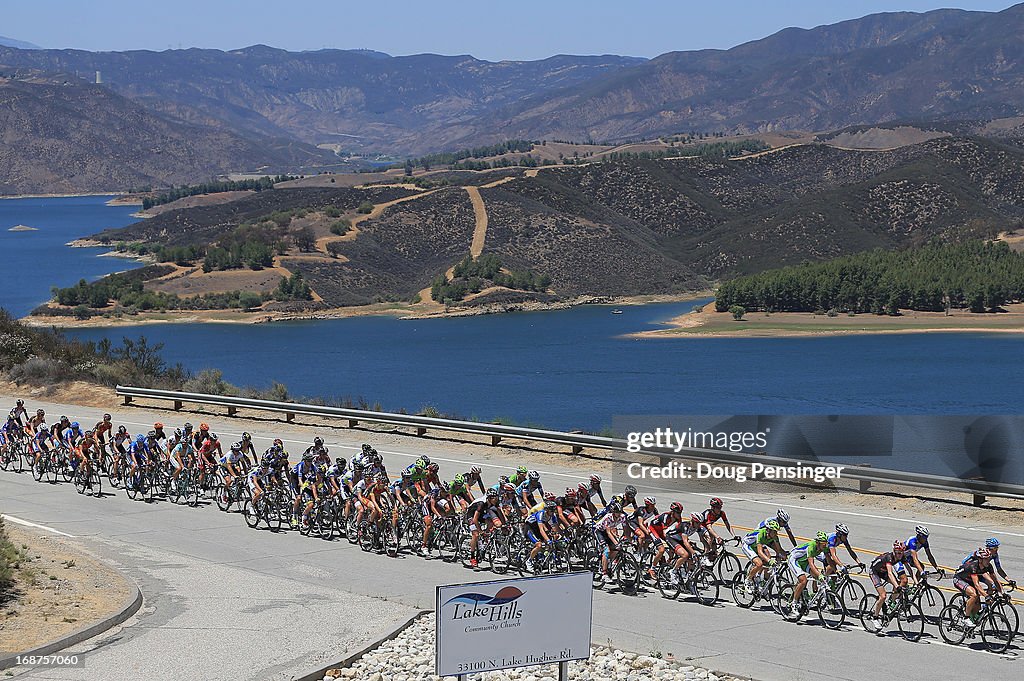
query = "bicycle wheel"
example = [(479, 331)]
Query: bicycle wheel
[(627, 572), (932, 602), (866, 613), (6, 457), (192, 491), (97, 484), (81, 480), (39, 468), (910, 620), (727, 566), (852, 592), (951, 627), (831, 610), (704, 586), (1010, 613), (367, 535), (743, 594), (251, 515), (223, 496), (790, 611), (996, 631), (499, 556), (389, 539)]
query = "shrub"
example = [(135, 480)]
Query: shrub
[(332, 212), (210, 382), (39, 371), (341, 227), (737, 312), (365, 208)]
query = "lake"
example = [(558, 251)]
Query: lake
[(562, 369)]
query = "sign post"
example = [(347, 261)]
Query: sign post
[(485, 626)]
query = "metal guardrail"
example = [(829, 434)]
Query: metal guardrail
[(865, 475)]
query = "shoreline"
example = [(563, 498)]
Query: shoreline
[(116, 195), (404, 311), (711, 324)]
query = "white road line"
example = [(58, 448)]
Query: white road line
[(906, 521), (26, 523)]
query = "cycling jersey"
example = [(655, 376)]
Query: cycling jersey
[(232, 457), (971, 567), (417, 473), (806, 551), (764, 523), (995, 560), (458, 490), (710, 516), (306, 473), (762, 536), (139, 451), (610, 521), (682, 528), (880, 565), (913, 544), (528, 487)]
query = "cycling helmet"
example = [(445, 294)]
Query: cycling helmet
[(782, 516), (106, 417), (382, 477), (992, 543), (88, 433), (419, 463), (570, 494), (158, 426), (595, 479), (842, 529), (426, 459), (140, 438), (318, 442), (407, 475), (534, 475), (341, 463), (460, 479), (475, 470), (716, 502), (75, 426), (549, 496), (983, 553), (630, 491), (773, 525), (676, 507), (582, 489), (307, 457), (650, 501), (695, 519), (279, 442), (151, 434), (44, 429), (549, 505), (522, 470), (821, 537), (204, 426), (178, 434), (40, 412), (213, 436), (65, 418), (237, 447), (21, 403), (187, 427), (246, 436), (507, 488), (447, 487), (614, 508), (122, 429), (366, 448), (898, 547), (492, 494), (503, 479)]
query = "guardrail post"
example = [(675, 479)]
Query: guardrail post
[(495, 439), (979, 499), (127, 400), (289, 417), (352, 423), (576, 449), (232, 411), (864, 485), (177, 405), (420, 430)]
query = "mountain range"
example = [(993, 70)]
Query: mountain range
[(934, 66)]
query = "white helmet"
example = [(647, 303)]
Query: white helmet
[(782, 516)]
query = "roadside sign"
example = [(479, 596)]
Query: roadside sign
[(483, 626)]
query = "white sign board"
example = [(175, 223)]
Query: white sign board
[(484, 626)]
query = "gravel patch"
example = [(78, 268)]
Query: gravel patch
[(410, 656)]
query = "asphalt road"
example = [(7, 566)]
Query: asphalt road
[(757, 644)]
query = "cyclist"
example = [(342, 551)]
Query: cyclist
[(138, 455), (483, 513), (431, 478), (321, 458), (156, 451), (121, 441), (35, 423), (303, 479), (715, 511), (527, 487), (967, 579), (755, 546), (209, 451), (199, 437), (677, 536), (627, 498), (539, 529), (637, 520), (20, 414), (88, 452), (417, 471), (460, 490), (801, 561), (103, 429), (916, 543), (783, 519), (43, 441), (586, 492), (234, 463), (992, 544), (475, 477), (566, 509), (519, 476), (60, 427), (831, 557), (510, 504), (181, 456), (371, 494), (9, 433), (402, 492), (435, 505), (256, 479), (247, 448), (71, 437), (606, 530), (888, 568)]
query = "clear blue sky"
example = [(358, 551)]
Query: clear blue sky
[(488, 29)]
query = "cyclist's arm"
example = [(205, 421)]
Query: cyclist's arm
[(853, 554), (789, 531), (931, 559)]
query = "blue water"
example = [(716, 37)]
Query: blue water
[(566, 369), (35, 261)]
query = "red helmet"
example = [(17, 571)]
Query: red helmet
[(695, 519), (570, 493), (898, 546), (582, 489), (676, 507), (204, 426), (549, 496), (595, 480), (508, 487), (716, 502), (158, 426)]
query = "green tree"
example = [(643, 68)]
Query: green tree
[(737, 312)]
